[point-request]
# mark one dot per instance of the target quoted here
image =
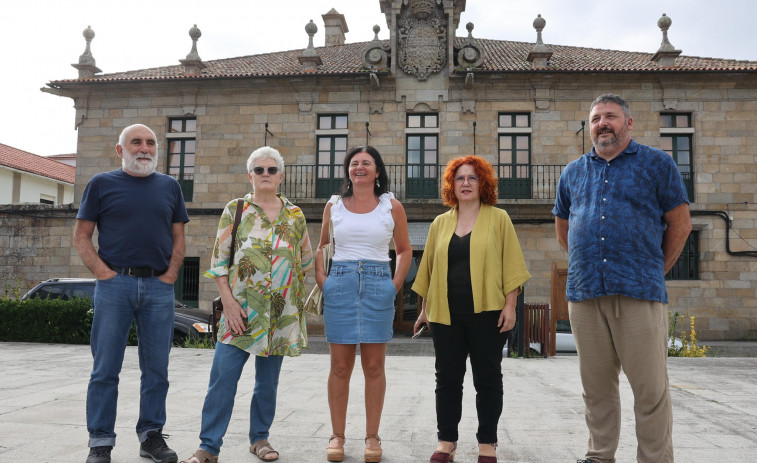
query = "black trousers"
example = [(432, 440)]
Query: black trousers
[(477, 336)]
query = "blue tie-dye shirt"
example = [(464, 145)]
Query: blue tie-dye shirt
[(614, 211)]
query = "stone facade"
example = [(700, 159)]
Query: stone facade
[(232, 113)]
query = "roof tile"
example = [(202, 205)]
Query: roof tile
[(35, 164), (501, 56)]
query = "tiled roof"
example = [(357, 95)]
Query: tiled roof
[(501, 56), (34, 164)]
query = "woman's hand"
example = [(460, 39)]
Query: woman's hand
[(506, 320), (235, 315), (320, 279), (422, 318)]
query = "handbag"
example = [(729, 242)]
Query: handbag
[(217, 312), (314, 301)]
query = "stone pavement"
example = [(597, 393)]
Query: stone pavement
[(43, 391)]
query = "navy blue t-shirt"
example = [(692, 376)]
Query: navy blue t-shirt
[(134, 217)]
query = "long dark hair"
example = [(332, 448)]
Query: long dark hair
[(383, 179)]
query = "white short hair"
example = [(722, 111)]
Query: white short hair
[(265, 152), (122, 136)]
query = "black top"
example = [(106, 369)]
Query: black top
[(459, 289)]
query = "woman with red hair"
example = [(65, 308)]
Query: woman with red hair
[(469, 277)]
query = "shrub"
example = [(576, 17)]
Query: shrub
[(49, 321)]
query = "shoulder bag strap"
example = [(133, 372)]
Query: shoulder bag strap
[(237, 219)]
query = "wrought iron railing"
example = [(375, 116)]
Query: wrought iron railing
[(538, 182)]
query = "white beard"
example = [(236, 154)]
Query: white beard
[(136, 165)]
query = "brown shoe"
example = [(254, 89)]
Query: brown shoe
[(372, 455), (201, 456), (335, 453), (263, 450)]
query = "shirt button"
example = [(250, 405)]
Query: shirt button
[(603, 217), (606, 181), (603, 238), (604, 260), (604, 199)]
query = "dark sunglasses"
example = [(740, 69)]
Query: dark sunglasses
[(260, 170)]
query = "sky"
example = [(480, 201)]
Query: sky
[(40, 39)]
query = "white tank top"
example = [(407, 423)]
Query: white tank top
[(362, 236)]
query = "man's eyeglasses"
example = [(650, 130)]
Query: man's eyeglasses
[(271, 170)]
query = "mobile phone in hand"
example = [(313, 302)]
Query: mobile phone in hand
[(423, 327)]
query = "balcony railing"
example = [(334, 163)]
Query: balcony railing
[(539, 182)]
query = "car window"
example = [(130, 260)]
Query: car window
[(50, 291), (563, 326), (87, 291)]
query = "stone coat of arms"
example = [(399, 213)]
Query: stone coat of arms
[(422, 38)]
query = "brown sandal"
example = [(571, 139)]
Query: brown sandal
[(263, 450), (201, 456), (335, 453), (372, 455)]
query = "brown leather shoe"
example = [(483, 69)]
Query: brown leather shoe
[(335, 453), (372, 455)]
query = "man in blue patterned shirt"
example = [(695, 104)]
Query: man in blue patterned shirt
[(622, 214)]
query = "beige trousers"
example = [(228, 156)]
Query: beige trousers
[(614, 332)]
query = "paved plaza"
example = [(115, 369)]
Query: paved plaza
[(43, 391)]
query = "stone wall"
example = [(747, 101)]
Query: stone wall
[(231, 116), (37, 245)]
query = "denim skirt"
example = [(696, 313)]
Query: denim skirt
[(358, 302)]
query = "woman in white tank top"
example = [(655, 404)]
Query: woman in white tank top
[(359, 291)]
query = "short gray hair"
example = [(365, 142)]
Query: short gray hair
[(265, 152), (122, 135), (610, 98)]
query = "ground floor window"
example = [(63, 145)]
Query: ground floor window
[(687, 265)]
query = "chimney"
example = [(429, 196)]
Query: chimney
[(336, 27)]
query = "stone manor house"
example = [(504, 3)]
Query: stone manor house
[(422, 94)]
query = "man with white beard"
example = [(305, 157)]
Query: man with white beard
[(140, 216)]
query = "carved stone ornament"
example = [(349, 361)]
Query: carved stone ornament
[(471, 55), (422, 38), (374, 55)]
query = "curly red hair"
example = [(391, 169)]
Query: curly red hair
[(487, 181)]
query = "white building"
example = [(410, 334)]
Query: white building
[(29, 178)]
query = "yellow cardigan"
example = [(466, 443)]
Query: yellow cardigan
[(496, 263)]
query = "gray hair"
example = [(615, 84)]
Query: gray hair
[(610, 98), (122, 136), (265, 152)]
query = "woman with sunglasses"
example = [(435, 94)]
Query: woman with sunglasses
[(469, 277), (359, 290), (263, 297)]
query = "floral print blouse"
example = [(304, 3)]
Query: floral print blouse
[(267, 278)]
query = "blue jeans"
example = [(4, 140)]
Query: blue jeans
[(119, 301), (228, 363)]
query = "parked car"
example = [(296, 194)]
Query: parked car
[(189, 321)]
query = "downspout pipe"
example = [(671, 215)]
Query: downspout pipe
[(724, 215)]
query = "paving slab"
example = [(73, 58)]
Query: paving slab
[(43, 393)]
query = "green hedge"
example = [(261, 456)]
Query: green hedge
[(49, 321)]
